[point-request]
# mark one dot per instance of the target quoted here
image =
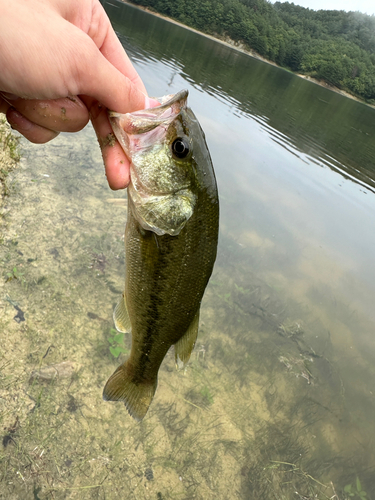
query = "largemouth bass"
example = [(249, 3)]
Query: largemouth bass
[(170, 243)]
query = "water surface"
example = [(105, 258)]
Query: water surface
[(278, 398)]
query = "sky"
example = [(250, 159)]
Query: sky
[(365, 6)]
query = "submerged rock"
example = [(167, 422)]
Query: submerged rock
[(65, 369)]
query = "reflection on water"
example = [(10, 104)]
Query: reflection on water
[(313, 118), (278, 398)]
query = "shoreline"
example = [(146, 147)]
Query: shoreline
[(250, 52), (9, 157)]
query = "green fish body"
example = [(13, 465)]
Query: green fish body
[(170, 243)]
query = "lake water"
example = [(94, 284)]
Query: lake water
[(278, 399)]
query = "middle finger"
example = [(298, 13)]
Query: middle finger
[(67, 114)]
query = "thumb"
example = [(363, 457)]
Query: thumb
[(111, 88)]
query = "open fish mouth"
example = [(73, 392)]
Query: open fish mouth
[(160, 156), (145, 120)]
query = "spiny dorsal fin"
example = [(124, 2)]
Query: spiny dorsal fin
[(185, 345)]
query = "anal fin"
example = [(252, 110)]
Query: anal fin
[(183, 347)]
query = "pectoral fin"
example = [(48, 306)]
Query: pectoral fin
[(185, 345), (121, 316)]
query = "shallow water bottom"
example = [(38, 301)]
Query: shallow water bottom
[(266, 408)]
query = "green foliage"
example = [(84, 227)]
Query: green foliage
[(117, 346), (14, 274), (355, 491), (9, 142), (206, 395), (9, 155), (335, 46)]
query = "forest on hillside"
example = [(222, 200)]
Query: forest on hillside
[(335, 46)]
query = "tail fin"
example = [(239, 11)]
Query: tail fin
[(136, 396)]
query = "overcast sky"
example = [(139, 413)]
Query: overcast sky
[(365, 6)]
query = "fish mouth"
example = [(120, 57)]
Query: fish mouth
[(145, 120), (141, 129)]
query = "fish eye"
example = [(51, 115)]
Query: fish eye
[(180, 148)]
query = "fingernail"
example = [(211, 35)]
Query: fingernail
[(150, 102), (18, 121), (9, 97), (95, 110)]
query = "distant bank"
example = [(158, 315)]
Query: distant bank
[(241, 47)]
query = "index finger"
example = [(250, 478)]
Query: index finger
[(115, 53), (117, 166)]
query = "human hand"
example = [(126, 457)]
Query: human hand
[(61, 64)]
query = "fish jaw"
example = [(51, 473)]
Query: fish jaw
[(160, 182)]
